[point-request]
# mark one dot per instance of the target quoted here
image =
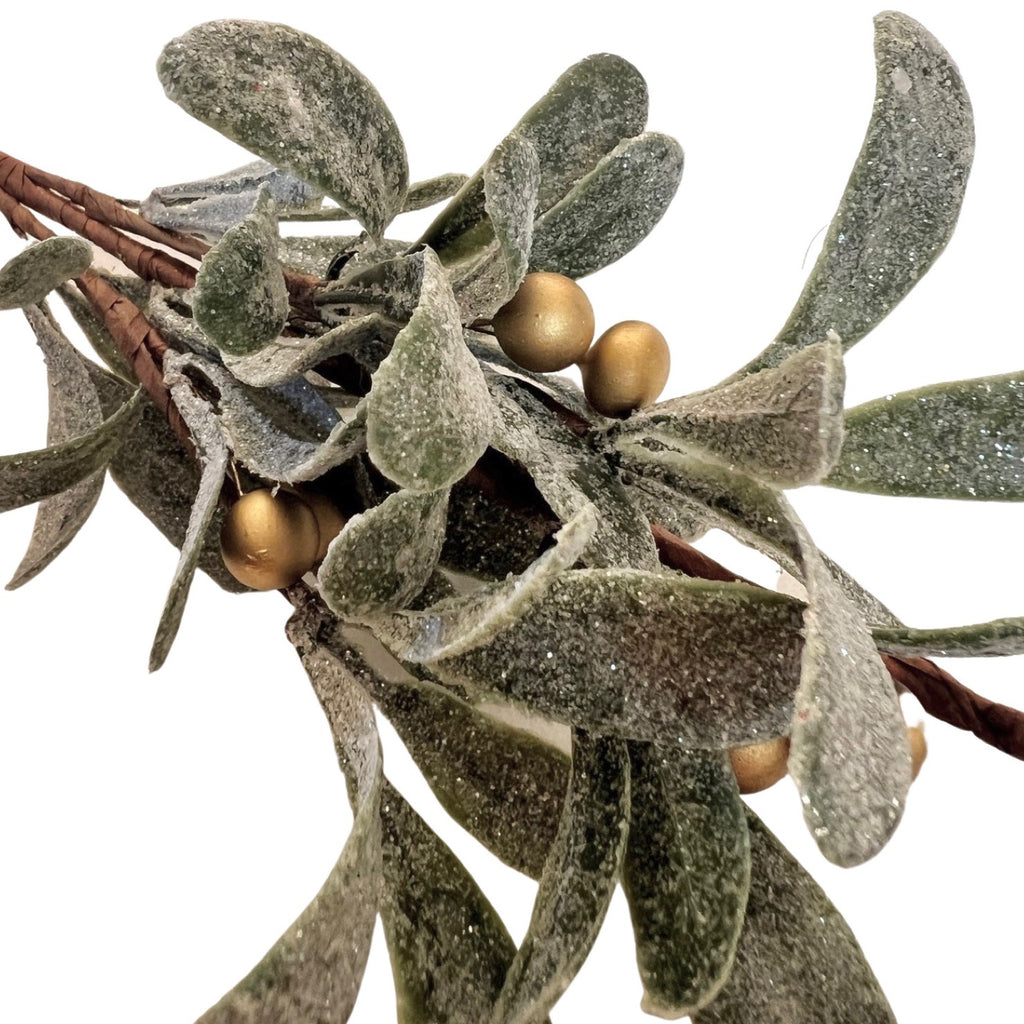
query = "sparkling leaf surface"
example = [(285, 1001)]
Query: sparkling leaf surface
[(903, 197), (30, 276), (290, 99), (241, 300), (577, 884), (429, 416), (384, 557), (797, 960), (611, 210), (995, 639), (964, 439), (74, 409), (686, 874), (426, 193)]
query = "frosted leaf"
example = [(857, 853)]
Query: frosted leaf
[(848, 746), (210, 206), (30, 276), (488, 272), (314, 970), (591, 107), (570, 474), (611, 210), (462, 623), (241, 300), (449, 949), (686, 874), (903, 197), (393, 285), (290, 99), (384, 556), (313, 254), (783, 425), (170, 313), (74, 409), (797, 961), (645, 656), (425, 193), (213, 458), (577, 884), (660, 504), (995, 639), (964, 439), (429, 416), (31, 476)]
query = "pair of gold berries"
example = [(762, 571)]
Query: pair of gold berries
[(549, 324)]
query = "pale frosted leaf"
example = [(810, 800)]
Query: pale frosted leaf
[(384, 557), (995, 639), (591, 107), (429, 415), (30, 276), (425, 193), (393, 284), (313, 254), (848, 746), (74, 409), (611, 210), (645, 656), (797, 961), (241, 300), (964, 439), (170, 312), (314, 970), (903, 197), (577, 884), (686, 874), (783, 425), (32, 476), (290, 99)]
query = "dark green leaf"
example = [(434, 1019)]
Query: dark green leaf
[(964, 439), (903, 197), (686, 874), (611, 210), (290, 99), (28, 278), (995, 639)]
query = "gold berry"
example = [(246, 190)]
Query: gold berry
[(626, 368), (760, 765), (547, 325), (918, 749), (268, 541), (328, 519)]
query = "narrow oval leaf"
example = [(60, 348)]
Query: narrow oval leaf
[(28, 278), (32, 476), (577, 884), (425, 193), (995, 639), (611, 210), (241, 300), (903, 197), (74, 409), (686, 874), (314, 970), (384, 557), (429, 416), (290, 99), (964, 439), (797, 960)]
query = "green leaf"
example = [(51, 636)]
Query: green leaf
[(995, 639), (848, 746), (797, 960), (290, 99), (611, 210), (212, 452), (686, 874), (28, 278), (591, 107), (577, 884), (32, 476), (903, 197), (429, 416), (964, 439), (783, 425), (314, 970), (74, 410), (384, 557), (425, 193), (449, 950)]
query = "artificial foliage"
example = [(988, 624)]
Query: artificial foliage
[(482, 534)]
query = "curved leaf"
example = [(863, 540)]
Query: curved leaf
[(290, 99), (996, 639), (425, 193), (30, 276)]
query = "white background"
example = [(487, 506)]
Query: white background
[(159, 832)]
